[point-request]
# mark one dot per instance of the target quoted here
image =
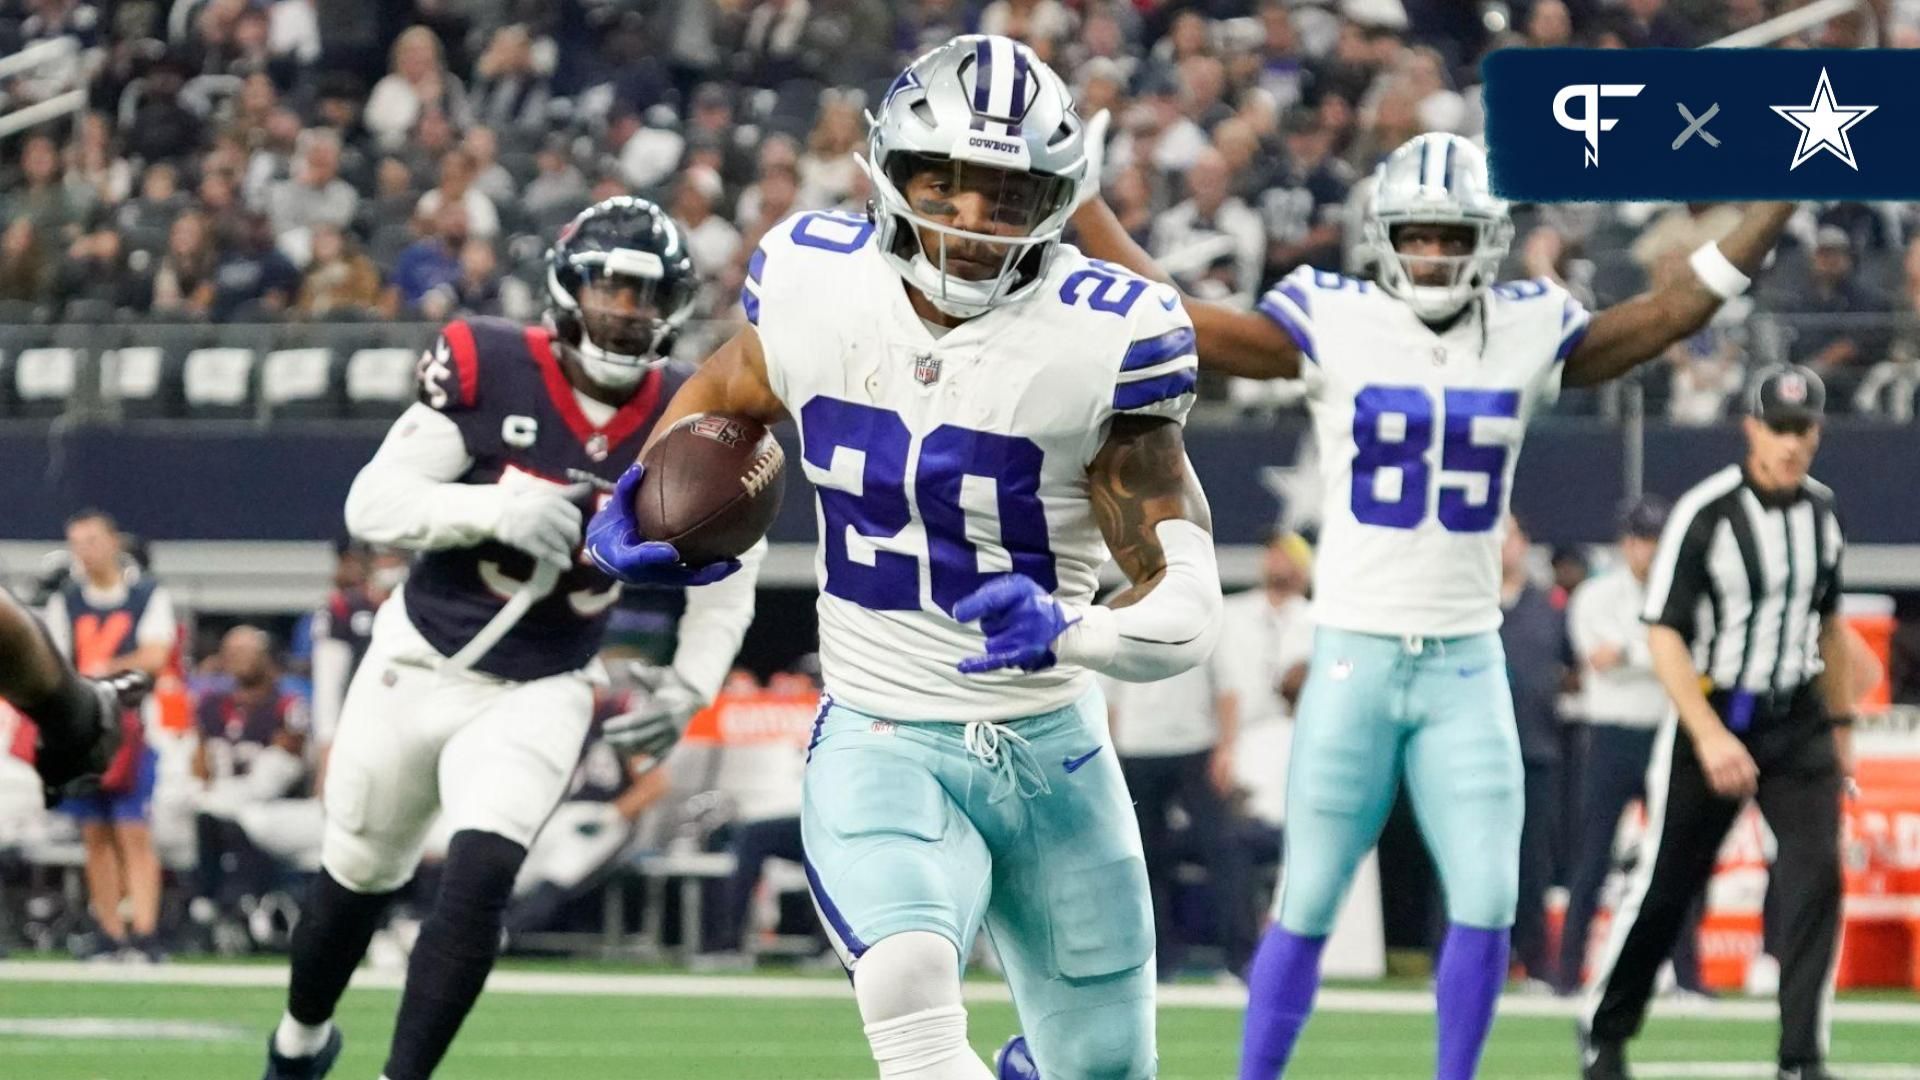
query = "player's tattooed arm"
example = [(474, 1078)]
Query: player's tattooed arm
[(732, 380), (1228, 340), (1140, 478), (1636, 330)]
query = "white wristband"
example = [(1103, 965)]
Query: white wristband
[(1717, 272)]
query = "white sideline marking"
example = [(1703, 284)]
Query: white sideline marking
[(1730, 1071), (1340, 1000), (100, 1027)]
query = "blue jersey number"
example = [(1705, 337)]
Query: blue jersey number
[(1406, 454), (875, 504)]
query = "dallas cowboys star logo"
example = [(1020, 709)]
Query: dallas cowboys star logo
[(1823, 125)]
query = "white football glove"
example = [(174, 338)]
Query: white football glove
[(541, 520), (664, 706), (1096, 140)]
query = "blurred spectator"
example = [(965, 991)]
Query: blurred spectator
[(1266, 643), (394, 196), (711, 119), (923, 24), (1708, 368), (1533, 634), (1549, 26), (828, 168), (24, 273), (253, 280), (343, 629), (293, 31), (424, 273), (184, 283), (163, 129), (1650, 25), (712, 241), (315, 194), (96, 172), (251, 109), (1440, 108), (43, 196), (1844, 336), (146, 218), (97, 268), (252, 750), (1622, 706), (773, 45), (1283, 69), (418, 80), (433, 138), (647, 153), (274, 157), (511, 86), (557, 185), (778, 153), (456, 188), (1175, 739), (109, 617), (1131, 196), (490, 178), (1177, 142), (1192, 239), (337, 101), (1304, 207), (1042, 24), (339, 277), (479, 290), (220, 202), (776, 197)]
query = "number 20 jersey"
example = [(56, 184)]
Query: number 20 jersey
[(1418, 433), (942, 462)]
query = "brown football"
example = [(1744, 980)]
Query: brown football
[(712, 486)]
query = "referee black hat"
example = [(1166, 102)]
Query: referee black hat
[(1788, 396), (1644, 517)]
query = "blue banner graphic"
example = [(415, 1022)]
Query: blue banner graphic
[(1708, 124)]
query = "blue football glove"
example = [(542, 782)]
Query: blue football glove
[(1021, 621), (614, 544)]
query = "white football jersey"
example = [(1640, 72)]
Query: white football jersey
[(1418, 433), (941, 462)]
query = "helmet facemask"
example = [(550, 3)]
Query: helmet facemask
[(620, 315), (1437, 286), (1017, 219)]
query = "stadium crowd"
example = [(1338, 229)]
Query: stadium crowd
[(348, 160)]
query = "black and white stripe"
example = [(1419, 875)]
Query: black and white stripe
[(1747, 580)]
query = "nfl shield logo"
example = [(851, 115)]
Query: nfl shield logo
[(719, 429), (1793, 388), (597, 447), (926, 369)]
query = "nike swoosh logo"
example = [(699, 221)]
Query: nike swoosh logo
[(1470, 672), (1073, 764), (1170, 302)]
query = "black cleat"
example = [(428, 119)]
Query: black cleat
[(1810, 1071), (64, 762), (281, 1067), (1602, 1060)]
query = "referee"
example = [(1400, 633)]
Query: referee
[(1741, 601)]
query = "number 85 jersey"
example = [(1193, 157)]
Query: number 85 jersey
[(943, 458), (1418, 434)]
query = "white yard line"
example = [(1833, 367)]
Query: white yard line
[(101, 1027), (1375, 1002), (1716, 1070)]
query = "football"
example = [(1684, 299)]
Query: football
[(712, 486)]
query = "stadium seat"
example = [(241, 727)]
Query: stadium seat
[(380, 381), (299, 382), (144, 375), (217, 383), (44, 380)]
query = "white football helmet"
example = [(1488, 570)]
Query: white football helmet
[(988, 111), (1436, 179)]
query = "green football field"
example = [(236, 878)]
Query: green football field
[(63, 1022)]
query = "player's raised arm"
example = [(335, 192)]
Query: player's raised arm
[(1231, 341), (1625, 335)]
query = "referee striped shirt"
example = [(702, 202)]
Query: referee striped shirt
[(1746, 577)]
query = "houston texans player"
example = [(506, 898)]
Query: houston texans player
[(1420, 386), (76, 719), (985, 414), (487, 477)]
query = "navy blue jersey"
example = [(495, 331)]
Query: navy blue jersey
[(502, 386), (348, 619)]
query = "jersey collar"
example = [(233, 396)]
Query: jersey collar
[(625, 421)]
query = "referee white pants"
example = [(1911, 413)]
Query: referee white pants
[(416, 740)]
